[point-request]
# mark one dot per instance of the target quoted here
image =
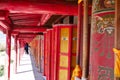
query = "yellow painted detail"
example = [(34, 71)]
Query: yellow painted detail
[(77, 72), (117, 62), (74, 40), (64, 61), (64, 40), (79, 1), (63, 74)]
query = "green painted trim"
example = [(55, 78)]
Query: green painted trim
[(104, 10)]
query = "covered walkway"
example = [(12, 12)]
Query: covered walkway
[(68, 38), (27, 70)]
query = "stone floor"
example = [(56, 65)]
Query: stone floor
[(27, 70)]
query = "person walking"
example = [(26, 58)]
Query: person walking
[(26, 48)]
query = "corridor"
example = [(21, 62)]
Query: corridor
[(27, 70)]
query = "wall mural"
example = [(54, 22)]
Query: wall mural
[(101, 5), (102, 40), (105, 73), (104, 24)]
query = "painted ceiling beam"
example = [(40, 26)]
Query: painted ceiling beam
[(23, 34), (15, 33), (3, 14), (4, 25), (27, 34), (29, 30), (39, 8), (44, 19), (25, 40), (24, 26), (2, 29)]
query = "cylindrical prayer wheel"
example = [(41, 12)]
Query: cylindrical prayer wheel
[(102, 40)]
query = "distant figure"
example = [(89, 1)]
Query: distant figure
[(26, 47)]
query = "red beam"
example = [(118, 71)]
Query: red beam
[(22, 34), (4, 25), (26, 39), (14, 33), (29, 30), (44, 19), (26, 36), (38, 8), (2, 29), (3, 14)]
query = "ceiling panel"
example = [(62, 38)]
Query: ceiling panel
[(26, 19)]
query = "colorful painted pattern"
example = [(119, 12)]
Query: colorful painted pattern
[(103, 24), (105, 73), (102, 40), (103, 5)]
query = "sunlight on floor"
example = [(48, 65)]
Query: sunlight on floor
[(25, 71)]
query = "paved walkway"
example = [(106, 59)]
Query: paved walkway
[(27, 70)]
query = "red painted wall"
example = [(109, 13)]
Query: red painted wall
[(102, 42)]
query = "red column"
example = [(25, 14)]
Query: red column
[(44, 53), (77, 72), (8, 50), (57, 44), (19, 50), (16, 54)]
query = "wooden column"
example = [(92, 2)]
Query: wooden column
[(8, 50), (16, 46), (77, 72), (79, 32), (85, 42), (117, 29)]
